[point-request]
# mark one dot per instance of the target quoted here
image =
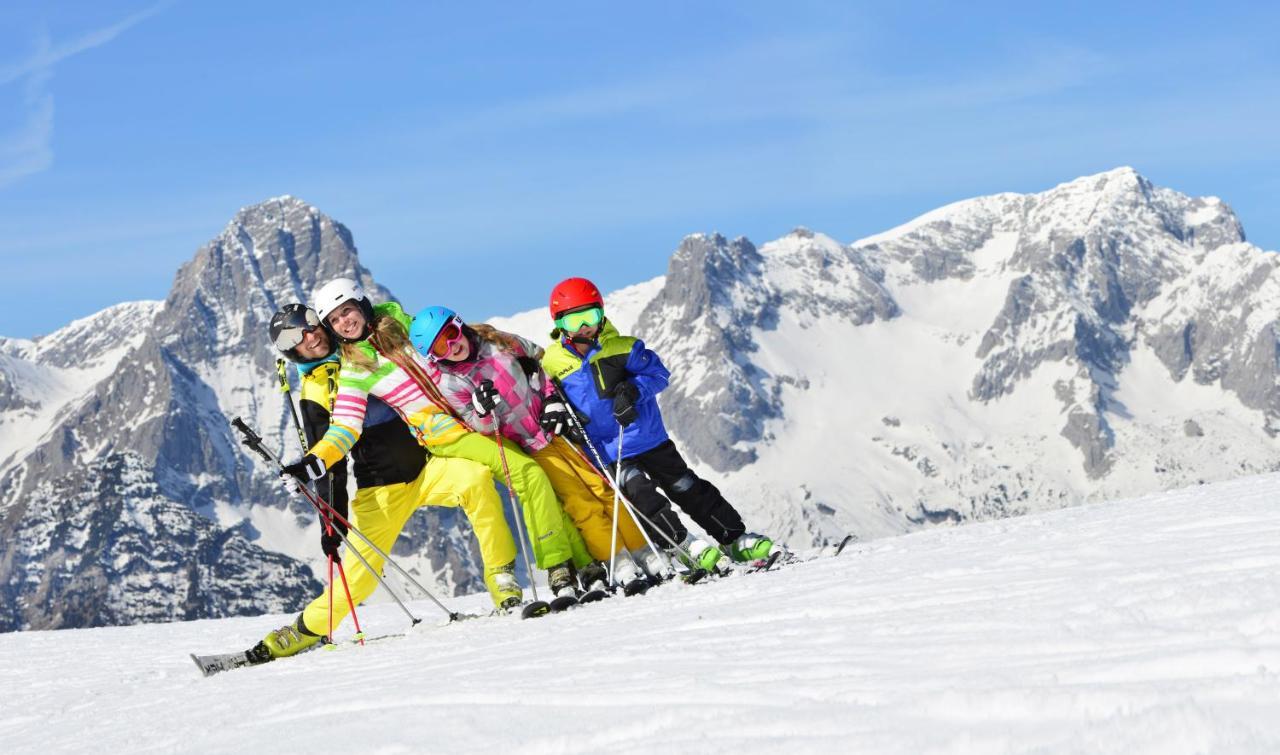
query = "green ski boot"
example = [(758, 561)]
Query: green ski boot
[(751, 548), (289, 640), (503, 587)]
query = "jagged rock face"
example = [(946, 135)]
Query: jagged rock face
[(1219, 324), (102, 546), (1091, 253), (717, 294)]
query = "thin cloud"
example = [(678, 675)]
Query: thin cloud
[(28, 150), (49, 56)]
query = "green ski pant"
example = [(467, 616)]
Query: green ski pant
[(550, 531)]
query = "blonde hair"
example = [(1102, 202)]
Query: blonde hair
[(497, 337), (390, 336)]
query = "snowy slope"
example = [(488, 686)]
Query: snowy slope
[(1140, 626)]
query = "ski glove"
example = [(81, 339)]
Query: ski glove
[(625, 395), (330, 539), (485, 398), (555, 420), (306, 469)]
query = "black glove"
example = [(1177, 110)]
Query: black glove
[(625, 395), (331, 539), (485, 398), (529, 366), (306, 469), (556, 420)]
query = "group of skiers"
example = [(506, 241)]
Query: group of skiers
[(432, 410)]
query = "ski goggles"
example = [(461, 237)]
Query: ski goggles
[(450, 334), (291, 337), (571, 322)]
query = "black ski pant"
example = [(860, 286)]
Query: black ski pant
[(664, 467)]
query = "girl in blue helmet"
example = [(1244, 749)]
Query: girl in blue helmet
[(494, 381)]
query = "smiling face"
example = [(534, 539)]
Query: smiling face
[(348, 320), (450, 344), (315, 344)]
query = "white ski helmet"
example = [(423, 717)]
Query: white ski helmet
[(337, 292)]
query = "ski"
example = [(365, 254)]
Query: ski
[(592, 596), (840, 548), (637, 586), (535, 608), (219, 662), (563, 603)]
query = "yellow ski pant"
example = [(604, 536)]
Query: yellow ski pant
[(381, 513), (587, 499), (550, 530)]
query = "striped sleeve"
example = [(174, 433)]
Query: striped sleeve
[(345, 424)]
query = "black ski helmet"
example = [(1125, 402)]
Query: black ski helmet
[(290, 324)]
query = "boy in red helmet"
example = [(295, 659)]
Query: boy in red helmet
[(613, 381)]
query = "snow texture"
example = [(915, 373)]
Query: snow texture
[(1130, 627)]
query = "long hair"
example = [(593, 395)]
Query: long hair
[(499, 338), (390, 336)]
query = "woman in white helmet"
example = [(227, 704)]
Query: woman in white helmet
[(394, 478), (379, 361)]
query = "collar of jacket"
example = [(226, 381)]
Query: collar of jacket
[(305, 368)]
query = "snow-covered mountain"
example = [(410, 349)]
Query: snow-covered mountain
[(150, 387), (1000, 355), (1128, 627), (997, 356)]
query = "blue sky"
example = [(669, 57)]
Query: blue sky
[(480, 152)]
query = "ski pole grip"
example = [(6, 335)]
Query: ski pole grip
[(284, 379)]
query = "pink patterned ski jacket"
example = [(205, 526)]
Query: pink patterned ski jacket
[(522, 395)]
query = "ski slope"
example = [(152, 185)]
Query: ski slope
[(1142, 626)]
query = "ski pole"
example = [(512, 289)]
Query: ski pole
[(254, 442), (517, 509), (346, 589), (615, 484), (613, 538), (288, 398), (325, 521), (321, 505)]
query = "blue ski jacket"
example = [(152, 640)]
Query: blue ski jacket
[(589, 381)]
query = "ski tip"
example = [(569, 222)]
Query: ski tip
[(204, 670), (695, 576), (844, 543), (563, 603), (535, 609), (593, 596)]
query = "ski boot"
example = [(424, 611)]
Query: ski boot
[(757, 551), (508, 597), (698, 558), (594, 580), (653, 565), (628, 575), (287, 640), (563, 586), (503, 587)]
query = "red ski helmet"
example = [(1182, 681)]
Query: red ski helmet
[(574, 293)]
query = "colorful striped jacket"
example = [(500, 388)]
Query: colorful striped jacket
[(431, 423)]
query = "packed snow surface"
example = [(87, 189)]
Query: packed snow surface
[(1142, 626)]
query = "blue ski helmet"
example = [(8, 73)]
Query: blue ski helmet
[(427, 324)]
